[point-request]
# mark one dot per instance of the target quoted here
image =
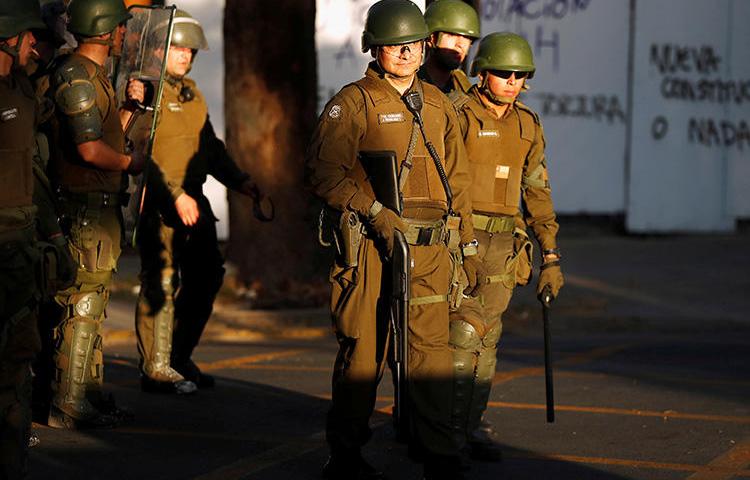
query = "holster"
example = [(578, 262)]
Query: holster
[(346, 230)]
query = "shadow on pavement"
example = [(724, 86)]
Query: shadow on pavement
[(238, 430)]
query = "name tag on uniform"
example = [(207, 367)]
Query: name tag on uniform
[(174, 106), (502, 171), (488, 133), (8, 114), (390, 117)]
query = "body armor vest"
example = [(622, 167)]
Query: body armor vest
[(389, 126), (177, 140), (17, 127), (497, 151), (71, 171)]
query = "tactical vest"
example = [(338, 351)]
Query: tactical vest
[(17, 126), (497, 151), (177, 139), (70, 170), (389, 126)]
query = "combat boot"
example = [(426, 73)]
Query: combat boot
[(482, 444), (191, 372), (349, 465), (159, 377), (71, 409)]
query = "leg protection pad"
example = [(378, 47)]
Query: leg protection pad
[(466, 344), (484, 374)]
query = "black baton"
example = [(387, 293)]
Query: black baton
[(546, 299)]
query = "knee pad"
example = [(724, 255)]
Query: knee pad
[(463, 336), (89, 304)]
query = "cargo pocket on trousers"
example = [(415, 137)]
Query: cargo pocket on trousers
[(523, 251), (347, 296)]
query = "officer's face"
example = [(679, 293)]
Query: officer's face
[(505, 84), (450, 48), (400, 60), (26, 50), (178, 61)]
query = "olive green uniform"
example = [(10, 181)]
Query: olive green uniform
[(175, 257), (508, 173), (19, 260), (90, 198), (370, 115)]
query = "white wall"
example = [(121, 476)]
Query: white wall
[(680, 181)]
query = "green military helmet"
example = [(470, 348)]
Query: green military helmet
[(188, 32), (503, 51), (453, 16), (18, 16), (91, 18), (393, 22)]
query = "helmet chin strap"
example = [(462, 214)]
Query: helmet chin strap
[(15, 50), (496, 99)]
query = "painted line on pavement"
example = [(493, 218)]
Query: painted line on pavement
[(575, 359), (735, 460), (269, 458), (666, 414), (236, 362)]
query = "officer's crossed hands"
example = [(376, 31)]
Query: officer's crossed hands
[(187, 209), (385, 223), (550, 275)]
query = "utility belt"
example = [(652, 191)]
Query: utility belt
[(492, 224), (348, 230), (95, 200)]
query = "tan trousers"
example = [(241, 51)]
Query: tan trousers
[(360, 314)]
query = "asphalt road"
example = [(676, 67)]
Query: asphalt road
[(652, 356)]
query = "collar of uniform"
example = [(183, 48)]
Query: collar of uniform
[(381, 90), (483, 107)]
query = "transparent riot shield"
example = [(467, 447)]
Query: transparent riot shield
[(143, 58)]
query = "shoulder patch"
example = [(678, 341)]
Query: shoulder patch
[(335, 111)]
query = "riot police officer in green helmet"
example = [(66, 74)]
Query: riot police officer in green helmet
[(90, 176), (372, 115), (506, 149), (181, 265), (454, 26), (19, 258)]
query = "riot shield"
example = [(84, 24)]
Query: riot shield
[(144, 52)]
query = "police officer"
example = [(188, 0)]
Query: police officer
[(505, 144), (90, 175), (371, 115), (19, 258), (177, 238), (454, 26)]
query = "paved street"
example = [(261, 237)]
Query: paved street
[(652, 354)]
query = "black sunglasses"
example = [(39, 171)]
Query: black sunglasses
[(505, 74)]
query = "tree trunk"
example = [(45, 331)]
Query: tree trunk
[(270, 111)]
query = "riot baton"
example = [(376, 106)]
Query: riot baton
[(400, 294), (546, 298)]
